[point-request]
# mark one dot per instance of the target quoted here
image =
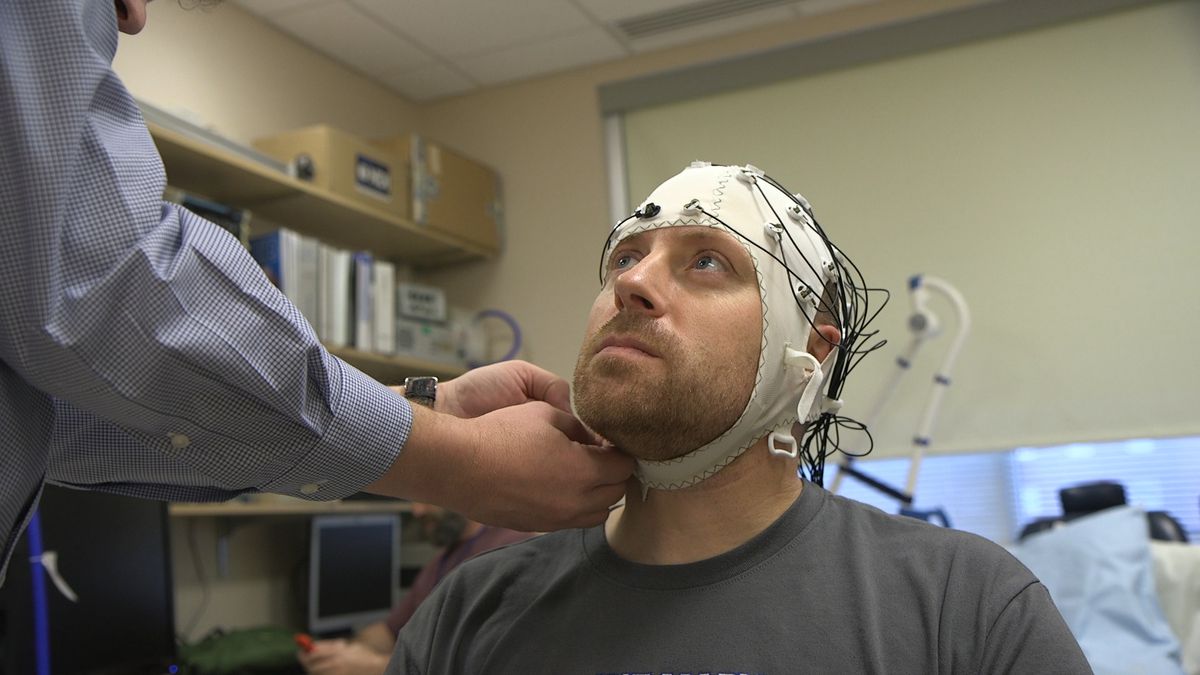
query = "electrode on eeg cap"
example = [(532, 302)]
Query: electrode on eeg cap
[(750, 174), (691, 208), (648, 211)]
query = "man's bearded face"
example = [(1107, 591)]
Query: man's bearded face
[(439, 526), (673, 342)]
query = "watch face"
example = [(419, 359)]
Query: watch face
[(421, 390)]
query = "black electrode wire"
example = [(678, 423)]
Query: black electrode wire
[(782, 249), (788, 269), (849, 299), (608, 241), (825, 433), (785, 230), (843, 265)]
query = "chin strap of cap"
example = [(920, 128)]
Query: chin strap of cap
[(811, 403)]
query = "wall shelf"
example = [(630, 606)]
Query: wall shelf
[(392, 370), (220, 174), (280, 506)]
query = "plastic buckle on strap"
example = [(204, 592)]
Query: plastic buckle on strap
[(786, 439)]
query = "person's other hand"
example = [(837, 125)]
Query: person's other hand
[(499, 385), (339, 657), (529, 467)]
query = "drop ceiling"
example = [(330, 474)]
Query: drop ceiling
[(428, 49)]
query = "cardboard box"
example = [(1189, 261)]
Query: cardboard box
[(418, 301), (450, 192), (457, 340), (344, 164), (428, 340)]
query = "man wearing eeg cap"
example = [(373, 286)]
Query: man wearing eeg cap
[(795, 275), (725, 324)]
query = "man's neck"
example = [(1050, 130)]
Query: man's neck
[(716, 515), (473, 528)]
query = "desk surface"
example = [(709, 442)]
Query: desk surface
[(281, 506)]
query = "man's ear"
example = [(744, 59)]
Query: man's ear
[(821, 340)]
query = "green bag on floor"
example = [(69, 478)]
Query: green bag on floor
[(267, 650)]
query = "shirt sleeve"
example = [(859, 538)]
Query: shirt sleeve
[(1030, 636), (87, 452), (143, 315)]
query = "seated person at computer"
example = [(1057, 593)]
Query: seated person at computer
[(726, 323), (459, 539)]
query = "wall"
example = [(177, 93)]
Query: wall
[(228, 70), (545, 138), (1050, 175), (260, 580)]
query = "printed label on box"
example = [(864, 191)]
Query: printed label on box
[(417, 301), (372, 177)]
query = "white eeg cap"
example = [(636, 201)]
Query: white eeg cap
[(789, 381)]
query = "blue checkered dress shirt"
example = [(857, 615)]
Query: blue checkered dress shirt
[(142, 350)]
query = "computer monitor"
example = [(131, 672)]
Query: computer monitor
[(354, 571)]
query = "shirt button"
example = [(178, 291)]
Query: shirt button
[(179, 441), (309, 489)]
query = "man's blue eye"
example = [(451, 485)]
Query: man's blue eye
[(707, 262), (622, 261)]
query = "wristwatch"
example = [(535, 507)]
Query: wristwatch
[(421, 390)]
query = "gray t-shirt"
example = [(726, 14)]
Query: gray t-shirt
[(833, 586)]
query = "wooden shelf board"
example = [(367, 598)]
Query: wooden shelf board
[(225, 176), (216, 173), (322, 214), (392, 370), (278, 507)]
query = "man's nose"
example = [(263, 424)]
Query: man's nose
[(641, 288)]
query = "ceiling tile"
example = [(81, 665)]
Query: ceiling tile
[(711, 29), (272, 7), (427, 83), (614, 10), (465, 27), (819, 6), (562, 52), (349, 36)]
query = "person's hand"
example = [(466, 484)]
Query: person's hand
[(499, 385), (339, 657), (529, 467)]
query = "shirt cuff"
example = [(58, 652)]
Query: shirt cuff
[(365, 438)]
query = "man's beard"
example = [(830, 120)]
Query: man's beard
[(443, 529), (659, 411)]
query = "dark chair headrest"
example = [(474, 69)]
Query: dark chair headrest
[(1091, 497), (1164, 527)]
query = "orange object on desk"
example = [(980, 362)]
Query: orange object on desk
[(305, 642)]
